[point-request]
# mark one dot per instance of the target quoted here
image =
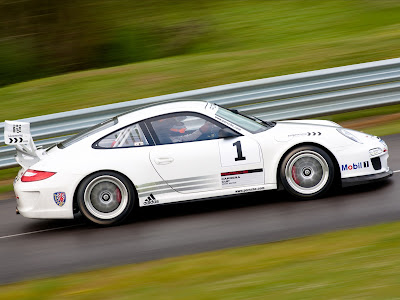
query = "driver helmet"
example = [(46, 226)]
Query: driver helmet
[(174, 124)]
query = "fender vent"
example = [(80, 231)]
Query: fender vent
[(376, 163)]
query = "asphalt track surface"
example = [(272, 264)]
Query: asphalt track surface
[(41, 248)]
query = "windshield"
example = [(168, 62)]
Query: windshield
[(87, 132), (241, 121)]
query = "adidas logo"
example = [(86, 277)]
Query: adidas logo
[(150, 200)]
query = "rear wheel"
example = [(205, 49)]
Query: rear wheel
[(307, 172), (106, 198)]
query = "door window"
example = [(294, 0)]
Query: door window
[(187, 127)]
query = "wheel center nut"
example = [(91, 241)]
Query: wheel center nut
[(105, 197), (307, 172)]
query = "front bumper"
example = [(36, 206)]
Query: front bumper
[(346, 182)]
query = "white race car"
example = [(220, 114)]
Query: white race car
[(183, 151)]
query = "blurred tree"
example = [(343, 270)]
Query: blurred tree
[(40, 38), (43, 37)]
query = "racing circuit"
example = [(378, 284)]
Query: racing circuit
[(42, 248)]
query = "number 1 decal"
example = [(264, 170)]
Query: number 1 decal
[(238, 146)]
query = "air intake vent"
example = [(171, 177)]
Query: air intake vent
[(376, 163)]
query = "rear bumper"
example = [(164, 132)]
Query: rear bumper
[(36, 199), (366, 178)]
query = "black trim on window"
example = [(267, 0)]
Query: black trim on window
[(151, 131), (147, 134), (183, 113)]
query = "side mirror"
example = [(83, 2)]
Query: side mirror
[(227, 133)]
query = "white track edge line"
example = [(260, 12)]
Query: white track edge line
[(397, 171), (37, 231)]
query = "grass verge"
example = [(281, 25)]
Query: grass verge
[(379, 121), (361, 263)]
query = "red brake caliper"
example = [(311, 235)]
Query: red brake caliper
[(119, 197), (294, 175)]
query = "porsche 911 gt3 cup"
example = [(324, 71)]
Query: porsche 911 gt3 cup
[(183, 151)]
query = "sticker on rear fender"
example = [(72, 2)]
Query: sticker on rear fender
[(59, 198), (241, 178)]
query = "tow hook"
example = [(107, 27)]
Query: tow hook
[(16, 211)]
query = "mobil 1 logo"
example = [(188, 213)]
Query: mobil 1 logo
[(355, 166)]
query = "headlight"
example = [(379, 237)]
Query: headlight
[(348, 134), (375, 151)]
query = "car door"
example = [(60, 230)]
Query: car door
[(191, 160), (241, 162), (186, 158)]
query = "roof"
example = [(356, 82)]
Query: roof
[(152, 110)]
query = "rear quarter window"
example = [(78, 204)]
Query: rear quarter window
[(130, 136)]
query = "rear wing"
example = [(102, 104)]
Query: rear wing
[(19, 135)]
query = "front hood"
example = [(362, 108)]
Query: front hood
[(324, 132), (310, 130), (312, 122)]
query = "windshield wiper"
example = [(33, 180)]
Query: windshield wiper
[(268, 123), (258, 120)]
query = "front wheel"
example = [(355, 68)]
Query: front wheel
[(106, 198), (307, 172)]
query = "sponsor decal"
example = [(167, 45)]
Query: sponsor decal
[(305, 134), (229, 124), (16, 132), (59, 198), (250, 190), (211, 106), (355, 166), (244, 177), (150, 200), (17, 128)]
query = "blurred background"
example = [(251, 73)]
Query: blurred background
[(63, 55), (41, 38), (135, 49)]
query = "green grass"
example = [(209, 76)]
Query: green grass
[(6, 177), (379, 129), (8, 173), (365, 113), (5, 188), (243, 40), (250, 35), (359, 263), (385, 129)]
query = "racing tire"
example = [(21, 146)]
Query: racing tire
[(307, 172), (106, 198)]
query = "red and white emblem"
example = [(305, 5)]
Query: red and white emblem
[(59, 198)]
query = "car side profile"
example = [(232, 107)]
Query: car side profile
[(182, 151)]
